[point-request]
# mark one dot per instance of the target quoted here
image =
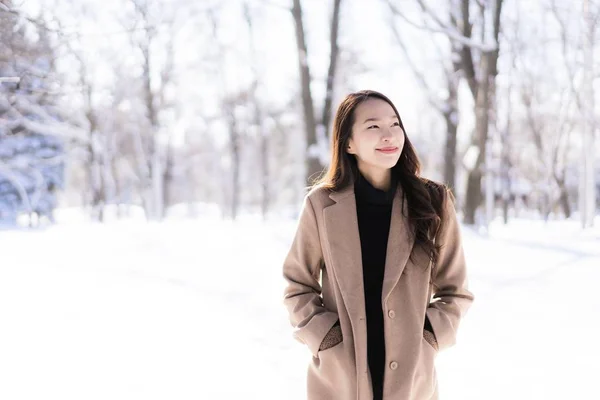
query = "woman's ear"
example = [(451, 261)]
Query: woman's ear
[(350, 148)]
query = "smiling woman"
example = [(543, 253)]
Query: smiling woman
[(377, 140), (386, 244)]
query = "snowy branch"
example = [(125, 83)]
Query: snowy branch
[(55, 129), (420, 77), (565, 49), (4, 8), (10, 79), (47, 123), (450, 32), (275, 5), (7, 172)]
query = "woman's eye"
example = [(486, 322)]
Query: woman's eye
[(396, 124), (372, 126)]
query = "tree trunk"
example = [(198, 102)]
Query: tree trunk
[(94, 168), (234, 140), (167, 177), (331, 73), (155, 162), (563, 197), (474, 196), (450, 150), (505, 167), (156, 170), (313, 165), (587, 191), (265, 175), (157, 185), (483, 100), (264, 160)]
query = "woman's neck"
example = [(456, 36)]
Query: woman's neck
[(379, 179)]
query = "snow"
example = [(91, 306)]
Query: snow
[(192, 309)]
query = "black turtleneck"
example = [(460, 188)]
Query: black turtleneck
[(374, 211)]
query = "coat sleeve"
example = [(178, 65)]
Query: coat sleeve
[(451, 297), (302, 295)]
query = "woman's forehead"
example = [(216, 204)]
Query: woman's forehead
[(374, 109)]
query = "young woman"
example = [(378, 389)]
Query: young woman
[(376, 276)]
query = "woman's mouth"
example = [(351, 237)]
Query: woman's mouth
[(388, 150)]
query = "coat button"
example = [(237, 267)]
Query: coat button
[(394, 365), (392, 314)]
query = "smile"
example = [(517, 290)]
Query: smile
[(388, 150)]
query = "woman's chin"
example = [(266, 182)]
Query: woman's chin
[(388, 163)]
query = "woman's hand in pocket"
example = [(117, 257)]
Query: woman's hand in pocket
[(333, 337), (430, 338)]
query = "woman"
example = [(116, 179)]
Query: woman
[(376, 277)]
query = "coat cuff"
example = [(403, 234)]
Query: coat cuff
[(313, 333)]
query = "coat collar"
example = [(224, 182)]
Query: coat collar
[(368, 194), (341, 226)]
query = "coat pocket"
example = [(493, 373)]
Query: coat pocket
[(426, 379), (332, 364), (332, 375), (427, 349)]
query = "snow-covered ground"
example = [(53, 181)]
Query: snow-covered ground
[(192, 309)]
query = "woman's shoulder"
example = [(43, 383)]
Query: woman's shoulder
[(319, 195), (318, 192)]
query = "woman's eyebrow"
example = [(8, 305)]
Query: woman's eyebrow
[(377, 119)]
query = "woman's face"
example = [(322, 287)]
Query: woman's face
[(376, 128)]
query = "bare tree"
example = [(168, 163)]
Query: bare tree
[(448, 107), (316, 131), (483, 88), (156, 170), (264, 138), (544, 129), (34, 131), (478, 65), (96, 149), (229, 107), (334, 51), (540, 110), (584, 96), (229, 103)]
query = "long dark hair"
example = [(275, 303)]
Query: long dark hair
[(424, 197)]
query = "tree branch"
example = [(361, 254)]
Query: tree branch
[(565, 47), (446, 30), (4, 8), (419, 75), (9, 79)]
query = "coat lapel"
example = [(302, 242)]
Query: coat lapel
[(341, 225), (399, 246)]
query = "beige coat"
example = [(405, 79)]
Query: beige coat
[(327, 243)]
